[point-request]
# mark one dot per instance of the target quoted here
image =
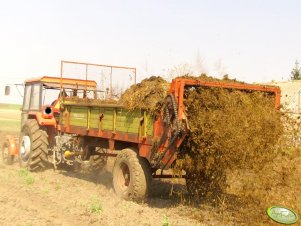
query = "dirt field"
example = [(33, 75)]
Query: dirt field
[(68, 198), (80, 198)]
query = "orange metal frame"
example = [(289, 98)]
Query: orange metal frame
[(58, 82), (97, 65)]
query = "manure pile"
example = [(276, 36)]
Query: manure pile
[(149, 94), (229, 129)]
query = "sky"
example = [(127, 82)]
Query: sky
[(253, 41)]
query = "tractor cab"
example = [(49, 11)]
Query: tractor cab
[(42, 97)]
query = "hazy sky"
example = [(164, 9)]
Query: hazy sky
[(253, 41)]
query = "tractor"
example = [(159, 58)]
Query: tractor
[(40, 114)]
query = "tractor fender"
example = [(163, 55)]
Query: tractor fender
[(43, 121)]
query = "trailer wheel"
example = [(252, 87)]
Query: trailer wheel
[(7, 158), (131, 176), (33, 146)]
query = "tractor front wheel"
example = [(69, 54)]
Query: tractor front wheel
[(131, 176), (33, 146)]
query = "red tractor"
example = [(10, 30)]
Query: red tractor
[(39, 119)]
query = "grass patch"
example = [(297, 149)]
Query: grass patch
[(26, 176), (165, 221), (45, 190), (10, 117), (57, 186), (23, 172), (10, 125), (95, 206), (10, 106), (29, 180)]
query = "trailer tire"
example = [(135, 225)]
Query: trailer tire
[(7, 158), (33, 148), (131, 176)]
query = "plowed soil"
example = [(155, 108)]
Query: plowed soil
[(68, 198)]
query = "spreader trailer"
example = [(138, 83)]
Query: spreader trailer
[(77, 127)]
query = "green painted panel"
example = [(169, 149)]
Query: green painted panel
[(78, 122), (129, 120), (107, 124), (128, 130), (128, 124), (150, 125), (107, 119), (94, 117), (94, 123), (94, 109), (78, 116), (126, 121), (78, 109), (107, 127)]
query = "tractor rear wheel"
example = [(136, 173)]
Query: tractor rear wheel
[(33, 146), (131, 176), (7, 158)]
